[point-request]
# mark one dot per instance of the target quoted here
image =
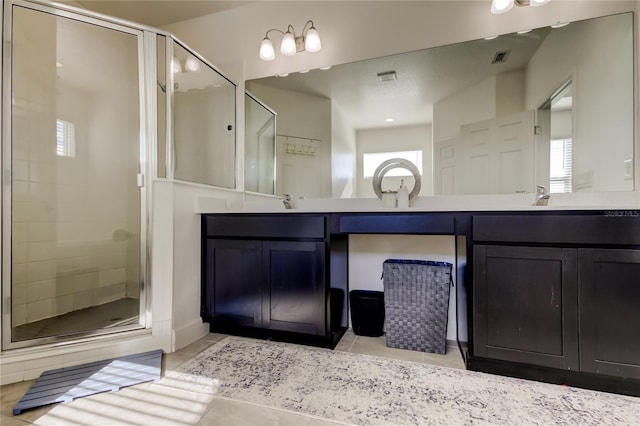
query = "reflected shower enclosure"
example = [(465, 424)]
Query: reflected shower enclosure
[(260, 146)]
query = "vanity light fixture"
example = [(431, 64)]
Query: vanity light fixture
[(291, 43), (502, 6)]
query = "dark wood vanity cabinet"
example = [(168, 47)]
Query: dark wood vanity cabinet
[(609, 300), (265, 273), (232, 282), (556, 291), (525, 305)]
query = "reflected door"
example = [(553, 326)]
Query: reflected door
[(493, 156), (75, 156)]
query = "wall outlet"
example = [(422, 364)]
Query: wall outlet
[(628, 169)]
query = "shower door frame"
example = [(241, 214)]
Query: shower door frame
[(147, 67)]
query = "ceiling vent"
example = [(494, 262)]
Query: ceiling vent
[(387, 76), (500, 57)]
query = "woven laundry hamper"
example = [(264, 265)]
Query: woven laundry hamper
[(416, 302)]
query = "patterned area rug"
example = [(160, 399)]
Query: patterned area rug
[(368, 390)]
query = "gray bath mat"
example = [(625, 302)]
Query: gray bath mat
[(69, 383)]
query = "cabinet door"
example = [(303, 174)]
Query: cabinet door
[(609, 288), (525, 305), (233, 282), (294, 292)]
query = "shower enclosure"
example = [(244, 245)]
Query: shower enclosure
[(86, 100)]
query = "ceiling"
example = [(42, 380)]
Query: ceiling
[(423, 78), (159, 13)]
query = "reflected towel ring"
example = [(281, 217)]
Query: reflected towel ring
[(395, 163)]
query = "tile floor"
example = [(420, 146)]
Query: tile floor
[(154, 404)]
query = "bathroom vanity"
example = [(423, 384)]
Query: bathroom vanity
[(552, 295)]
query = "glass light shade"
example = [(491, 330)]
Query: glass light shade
[(288, 46), (501, 6), (312, 40), (175, 66), (536, 3), (266, 50), (192, 64)]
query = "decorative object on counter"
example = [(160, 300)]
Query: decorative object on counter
[(389, 199), (403, 196), (391, 164), (368, 390)]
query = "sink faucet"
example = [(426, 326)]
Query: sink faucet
[(286, 200), (542, 197)]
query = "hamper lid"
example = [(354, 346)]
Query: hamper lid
[(418, 262)]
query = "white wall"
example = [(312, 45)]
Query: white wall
[(368, 252), (343, 156), (357, 30), (590, 62), (401, 138), (469, 105)]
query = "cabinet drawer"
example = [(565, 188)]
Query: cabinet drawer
[(389, 223), (264, 226), (569, 229)]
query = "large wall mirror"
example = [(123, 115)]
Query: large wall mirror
[(550, 106)]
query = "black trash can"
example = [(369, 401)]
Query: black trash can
[(367, 312)]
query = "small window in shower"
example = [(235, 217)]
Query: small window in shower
[(65, 138)]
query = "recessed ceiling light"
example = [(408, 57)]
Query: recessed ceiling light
[(389, 120), (325, 68), (282, 75), (560, 25), (524, 31), (491, 37), (304, 71)]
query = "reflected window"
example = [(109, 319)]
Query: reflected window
[(560, 166), (371, 161), (65, 138)]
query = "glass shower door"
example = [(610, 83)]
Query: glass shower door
[(75, 160)]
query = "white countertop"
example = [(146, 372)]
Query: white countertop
[(515, 202)]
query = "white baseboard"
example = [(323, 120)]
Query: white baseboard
[(189, 333)]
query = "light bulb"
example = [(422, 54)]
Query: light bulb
[(312, 40), (266, 50), (536, 3), (192, 64), (175, 66), (501, 6), (288, 46)]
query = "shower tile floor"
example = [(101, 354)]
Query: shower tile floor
[(119, 312)]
